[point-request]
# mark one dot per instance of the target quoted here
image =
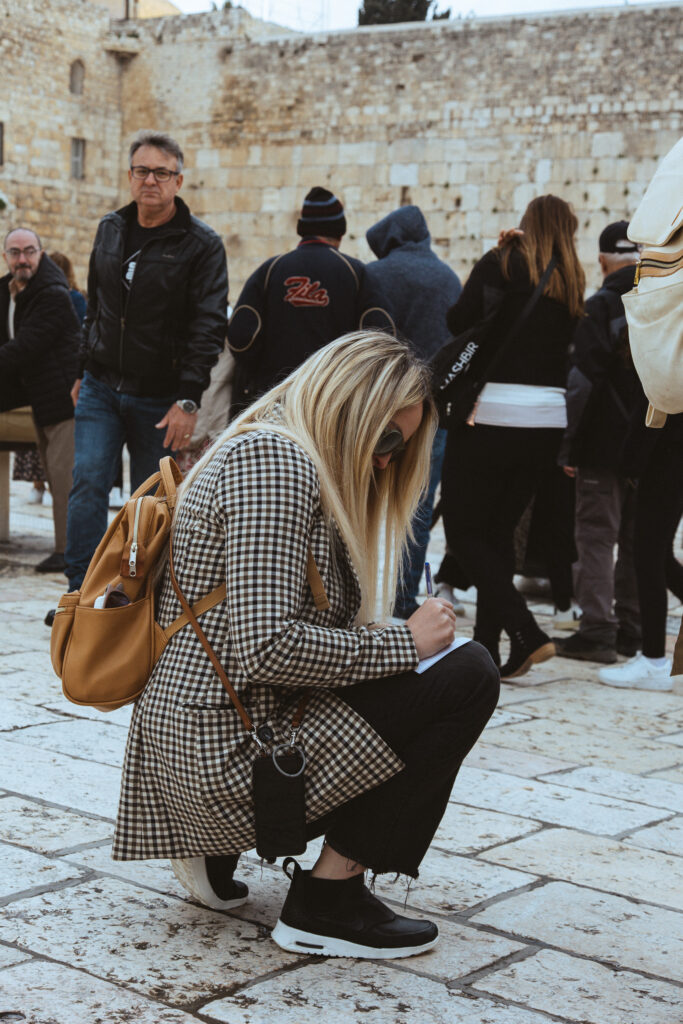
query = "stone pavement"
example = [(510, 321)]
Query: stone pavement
[(556, 876)]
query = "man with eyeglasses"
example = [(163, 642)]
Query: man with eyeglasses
[(39, 335), (155, 326)]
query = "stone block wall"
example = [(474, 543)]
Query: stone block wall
[(38, 43), (469, 119)]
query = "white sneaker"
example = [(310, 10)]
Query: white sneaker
[(638, 674), (191, 873), (47, 499), (445, 591), (567, 620), (35, 497)]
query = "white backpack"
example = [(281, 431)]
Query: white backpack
[(654, 308)]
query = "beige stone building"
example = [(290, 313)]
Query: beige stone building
[(467, 118)]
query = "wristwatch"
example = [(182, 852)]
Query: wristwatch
[(187, 405)]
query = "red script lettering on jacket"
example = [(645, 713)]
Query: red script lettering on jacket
[(304, 292)]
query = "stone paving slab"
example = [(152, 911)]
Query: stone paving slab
[(571, 709), (18, 714), (674, 774), (584, 991), (466, 829), (47, 993), (514, 762), (676, 738), (97, 742), (47, 829), (449, 884), (59, 704), (594, 924), (164, 948), (56, 778), (9, 956), (349, 992), (552, 803), (21, 870), (589, 746), (667, 837), (39, 688), (652, 791), (599, 863)]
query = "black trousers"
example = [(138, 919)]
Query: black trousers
[(432, 721), (489, 476), (659, 505)]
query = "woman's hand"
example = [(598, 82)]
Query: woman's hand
[(432, 626)]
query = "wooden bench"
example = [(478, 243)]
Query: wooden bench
[(17, 434)]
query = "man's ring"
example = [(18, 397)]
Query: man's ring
[(185, 435)]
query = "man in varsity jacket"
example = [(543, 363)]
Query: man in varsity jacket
[(296, 303)]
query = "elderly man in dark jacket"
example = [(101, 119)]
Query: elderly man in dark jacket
[(420, 289), (38, 344), (155, 325)]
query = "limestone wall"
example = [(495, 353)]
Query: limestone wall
[(468, 119), (38, 43)]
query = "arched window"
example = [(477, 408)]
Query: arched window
[(77, 77)]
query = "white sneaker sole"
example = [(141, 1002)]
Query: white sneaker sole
[(191, 873), (296, 941), (661, 685)]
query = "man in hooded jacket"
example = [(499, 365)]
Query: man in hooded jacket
[(420, 289)]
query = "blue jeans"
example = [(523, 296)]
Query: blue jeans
[(105, 421), (406, 595)]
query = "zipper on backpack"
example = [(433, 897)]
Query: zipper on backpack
[(133, 556)]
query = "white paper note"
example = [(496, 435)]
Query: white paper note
[(428, 662)]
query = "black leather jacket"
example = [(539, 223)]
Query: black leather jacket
[(163, 337)]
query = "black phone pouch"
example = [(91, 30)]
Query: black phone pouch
[(280, 802)]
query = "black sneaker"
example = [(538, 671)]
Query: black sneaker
[(202, 879), (53, 563), (627, 644), (343, 918), (584, 649)]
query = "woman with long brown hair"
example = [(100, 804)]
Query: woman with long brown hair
[(494, 461)]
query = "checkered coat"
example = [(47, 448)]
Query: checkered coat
[(249, 518)]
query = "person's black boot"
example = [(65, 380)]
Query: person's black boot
[(491, 643), (528, 646), (209, 880), (583, 648), (343, 918)]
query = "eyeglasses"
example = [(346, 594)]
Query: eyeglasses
[(390, 443), (160, 173), (30, 251)]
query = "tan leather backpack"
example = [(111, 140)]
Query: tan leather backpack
[(104, 656)]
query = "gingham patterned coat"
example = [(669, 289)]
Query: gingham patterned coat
[(249, 519)]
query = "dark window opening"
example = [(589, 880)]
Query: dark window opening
[(78, 159)]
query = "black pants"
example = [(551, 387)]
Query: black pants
[(489, 476), (432, 721), (659, 505)]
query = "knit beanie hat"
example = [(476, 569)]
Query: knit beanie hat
[(321, 214)]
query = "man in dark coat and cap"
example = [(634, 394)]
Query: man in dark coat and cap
[(298, 302), (39, 337), (420, 289)]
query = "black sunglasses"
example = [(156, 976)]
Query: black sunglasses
[(390, 443)]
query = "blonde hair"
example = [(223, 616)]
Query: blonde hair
[(335, 407), (549, 225)]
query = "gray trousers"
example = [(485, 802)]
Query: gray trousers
[(56, 447), (606, 593)]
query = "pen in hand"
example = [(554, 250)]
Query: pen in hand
[(428, 580)]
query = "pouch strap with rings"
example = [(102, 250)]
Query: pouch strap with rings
[(264, 735)]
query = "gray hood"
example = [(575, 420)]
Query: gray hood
[(405, 226)]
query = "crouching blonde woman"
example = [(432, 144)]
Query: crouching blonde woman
[(331, 461)]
